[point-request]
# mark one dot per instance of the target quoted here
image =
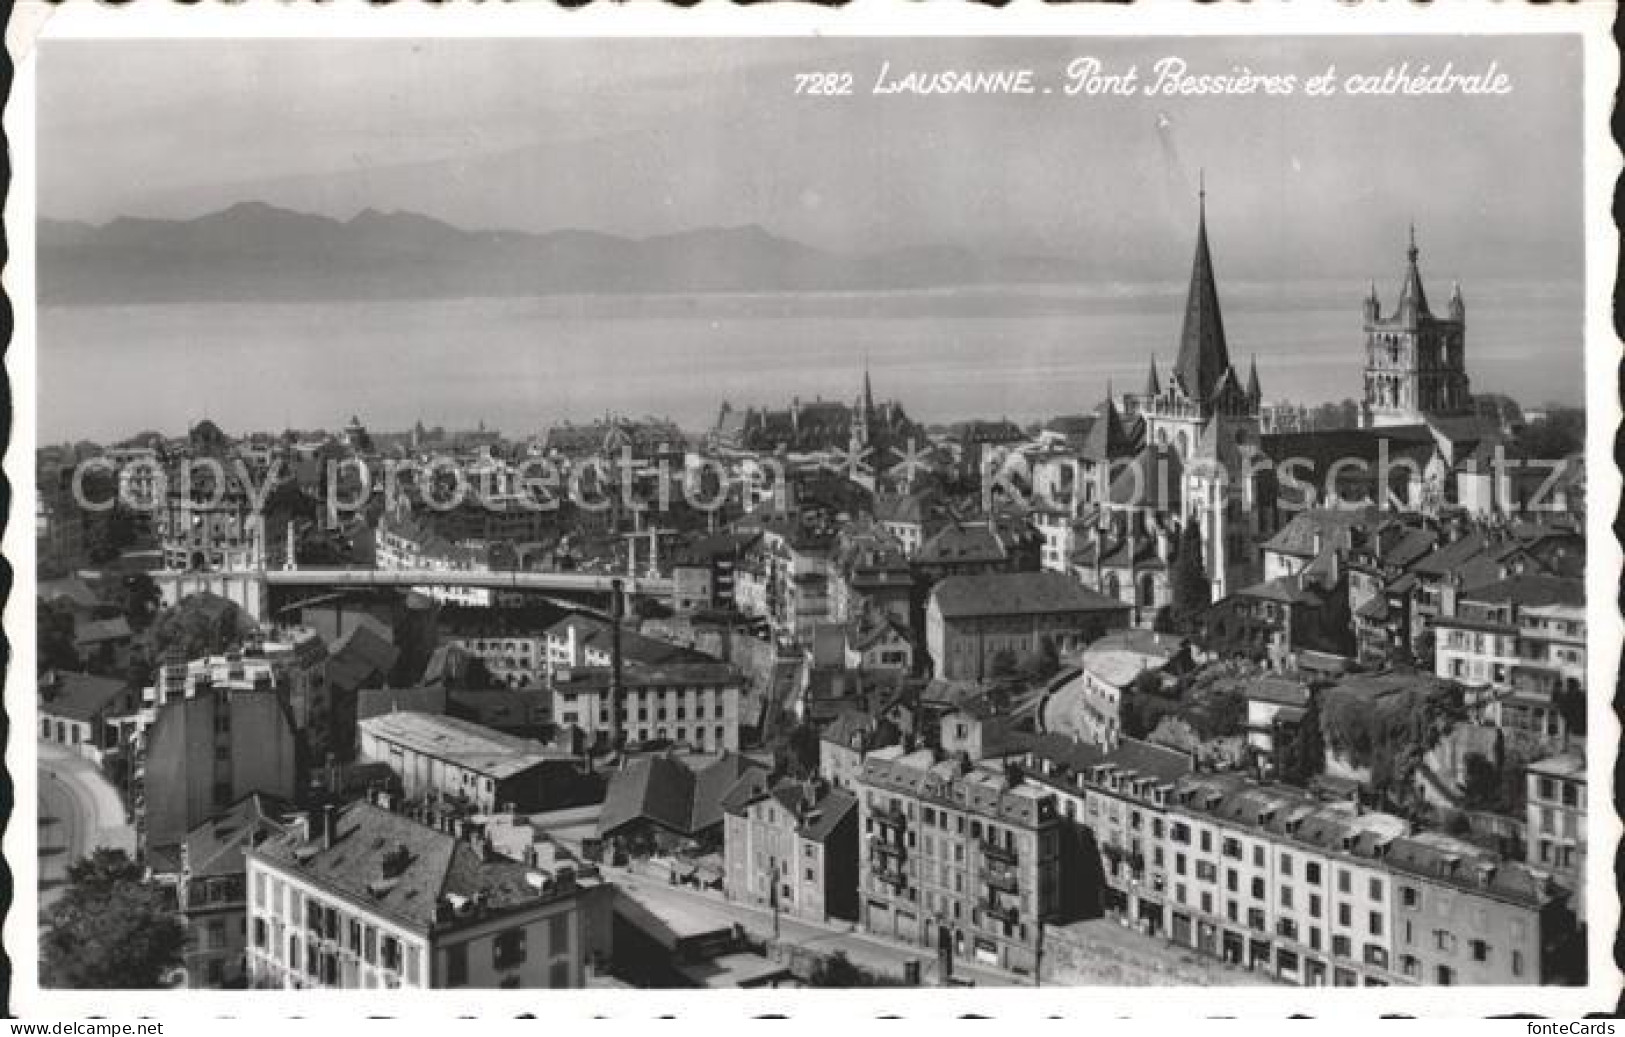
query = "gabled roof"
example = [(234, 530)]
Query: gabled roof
[(1532, 590), (216, 846), (364, 650), (662, 790), (1107, 437), (79, 696)]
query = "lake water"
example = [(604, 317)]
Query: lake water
[(522, 364)]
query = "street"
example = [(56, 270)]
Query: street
[(78, 812), (876, 953)]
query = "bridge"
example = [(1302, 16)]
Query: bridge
[(250, 588), (569, 582)]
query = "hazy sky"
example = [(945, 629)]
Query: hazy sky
[(643, 137)]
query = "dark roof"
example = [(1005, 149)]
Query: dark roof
[(1335, 526), (1107, 436), (79, 696), (1018, 594), (216, 846), (362, 652), (1531, 589), (975, 542), (662, 790), (434, 865)]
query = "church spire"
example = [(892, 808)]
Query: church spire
[(1254, 393), (1203, 355), (1153, 384), (1413, 302)]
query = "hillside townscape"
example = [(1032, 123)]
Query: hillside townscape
[(1196, 686)]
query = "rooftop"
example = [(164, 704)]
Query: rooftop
[(477, 748), (404, 870), (1018, 594)]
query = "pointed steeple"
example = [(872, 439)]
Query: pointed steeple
[(1106, 437), (868, 393), (1253, 392), (1458, 308), (1413, 302), (1203, 355), (1153, 384)]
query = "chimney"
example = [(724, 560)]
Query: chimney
[(617, 612), (327, 826)]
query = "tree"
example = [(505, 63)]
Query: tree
[(202, 624), (1003, 664), (1571, 706), (1304, 756), (54, 626), (1481, 783), (140, 598), (1192, 590), (1042, 663), (110, 930), (837, 970)]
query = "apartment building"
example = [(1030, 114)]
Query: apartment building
[(960, 857), (1119, 797), (694, 704), (211, 890), (292, 662), (793, 847), (1556, 804), (1522, 641), (363, 898), (1311, 891), (1463, 916)]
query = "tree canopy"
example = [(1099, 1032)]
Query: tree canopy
[(1191, 588), (110, 930), (202, 624)]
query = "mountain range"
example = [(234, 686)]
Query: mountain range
[(257, 252)]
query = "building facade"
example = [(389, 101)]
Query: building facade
[(794, 849), (376, 900), (695, 704), (957, 857), (972, 622)]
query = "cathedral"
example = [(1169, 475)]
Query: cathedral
[(1172, 460)]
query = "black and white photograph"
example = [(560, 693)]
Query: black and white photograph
[(1008, 516)]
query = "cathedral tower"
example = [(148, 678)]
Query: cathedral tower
[(1415, 362), (1203, 385)]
